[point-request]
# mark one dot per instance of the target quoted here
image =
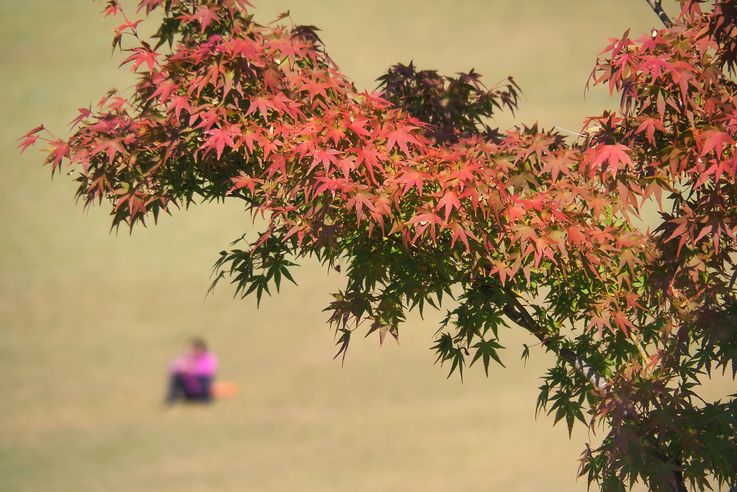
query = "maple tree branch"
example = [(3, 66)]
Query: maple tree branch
[(658, 9), (519, 314)]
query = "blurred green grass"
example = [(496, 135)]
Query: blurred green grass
[(89, 319)]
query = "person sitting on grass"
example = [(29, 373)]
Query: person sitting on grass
[(191, 374)]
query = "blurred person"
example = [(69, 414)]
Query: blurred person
[(192, 374)]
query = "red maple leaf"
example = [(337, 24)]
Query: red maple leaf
[(177, 104), (204, 16), (149, 5), (164, 90), (128, 25), (358, 126), (27, 141), (622, 322), (615, 155), (424, 221), (715, 141), (449, 201), (29, 138), (111, 147), (360, 200), (83, 114), (59, 150), (413, 178), (220, 138), (263, 104), (401, 137), (111, 8), (244, 181), (140, 56), (326, 157), (558, 163), (649, 125)]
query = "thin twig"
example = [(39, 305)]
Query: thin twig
[(658, 9), (568, 131)]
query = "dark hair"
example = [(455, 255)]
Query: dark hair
[(199, 343)]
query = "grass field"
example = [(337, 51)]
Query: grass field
[(89, 319)]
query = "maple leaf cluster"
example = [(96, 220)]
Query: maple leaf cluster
[(414, 193), (454, 107)]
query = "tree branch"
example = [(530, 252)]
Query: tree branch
[(658, 9), (519, 314)]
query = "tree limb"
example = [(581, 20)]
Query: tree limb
[(517, 313), (658, 9)]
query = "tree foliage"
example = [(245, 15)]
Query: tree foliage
[(414, 194)]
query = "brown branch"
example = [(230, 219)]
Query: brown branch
[(658, 9), (519, 314)]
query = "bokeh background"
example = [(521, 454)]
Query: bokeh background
[(90, 318)]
